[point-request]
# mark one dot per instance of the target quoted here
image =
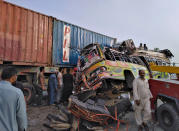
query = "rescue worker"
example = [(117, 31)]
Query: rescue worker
[(13, 116), (52, 88), (142, 96)]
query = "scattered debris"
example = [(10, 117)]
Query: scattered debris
[(102, 93)]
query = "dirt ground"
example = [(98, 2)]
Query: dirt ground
[(37, 117)]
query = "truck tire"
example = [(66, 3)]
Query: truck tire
[(168, 117), (29, 94)]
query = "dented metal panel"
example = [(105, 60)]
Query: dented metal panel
[(25, 36), (69, 39)]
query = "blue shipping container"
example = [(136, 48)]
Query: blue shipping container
[(69, 39)]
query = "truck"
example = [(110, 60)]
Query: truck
[(29, 40), (165, 89), (165, 101)]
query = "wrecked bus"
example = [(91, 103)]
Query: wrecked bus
[(104, 79), (156, 56), (99, 63)]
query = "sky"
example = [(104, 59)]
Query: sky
[(154, 22)]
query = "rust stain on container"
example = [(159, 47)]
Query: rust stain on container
[(25, 35)]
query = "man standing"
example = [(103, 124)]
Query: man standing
[(41, 78), (60, 84), (68, 85), (52, 88), (142, 96), (12, 104), (41, 85)]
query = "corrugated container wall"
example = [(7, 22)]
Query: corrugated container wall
[(69, 39), (25, 36)]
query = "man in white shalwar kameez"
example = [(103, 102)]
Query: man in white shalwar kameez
[(142, 96)]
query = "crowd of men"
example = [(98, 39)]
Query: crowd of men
[(60, 85), (13, 115)]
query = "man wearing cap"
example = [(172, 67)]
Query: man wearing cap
[(142, 96)]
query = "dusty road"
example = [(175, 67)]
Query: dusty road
[(37, 116)]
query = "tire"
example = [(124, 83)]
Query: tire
[(168, 117), (19, 85), (29, 94)]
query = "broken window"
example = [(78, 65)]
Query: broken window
[(114, 55), (159, 62), (108, 54), (89, 56), (137, 60)]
